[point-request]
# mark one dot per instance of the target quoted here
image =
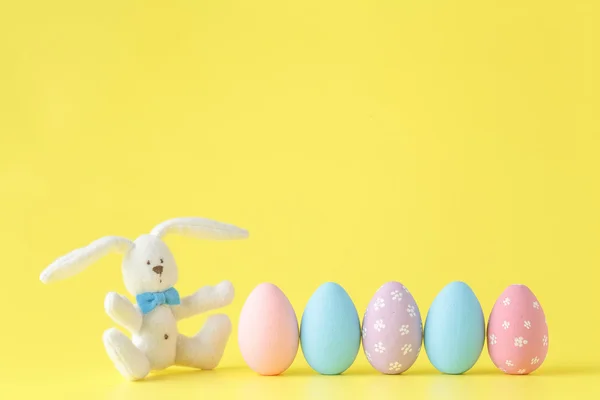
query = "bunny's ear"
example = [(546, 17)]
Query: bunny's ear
[(200, 228), (79, 259)]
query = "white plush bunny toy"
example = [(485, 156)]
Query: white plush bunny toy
[(150, 273)]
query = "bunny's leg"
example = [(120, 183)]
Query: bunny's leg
[(205, 350), (128, 359)]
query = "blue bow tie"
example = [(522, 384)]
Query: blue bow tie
[(150, 300)]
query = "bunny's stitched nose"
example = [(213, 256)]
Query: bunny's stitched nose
[(158, 269)]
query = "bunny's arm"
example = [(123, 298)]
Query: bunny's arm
[(123, 312), (205, 299)]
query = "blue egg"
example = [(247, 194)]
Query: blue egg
[(454, 329), (330, 330)]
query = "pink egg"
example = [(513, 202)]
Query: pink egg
[(268, 334), (392, 331), (517, 332)]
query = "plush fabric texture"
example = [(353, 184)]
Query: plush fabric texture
[(150, 273), (200, 228), (78, 260)]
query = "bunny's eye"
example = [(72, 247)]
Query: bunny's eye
[(161, 261), (148, 262)]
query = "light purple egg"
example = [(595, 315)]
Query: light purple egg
[(392, 331)]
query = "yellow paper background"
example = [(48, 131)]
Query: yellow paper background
[(357, 141)]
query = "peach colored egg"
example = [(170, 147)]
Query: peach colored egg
[(268, 334), (517, 332)]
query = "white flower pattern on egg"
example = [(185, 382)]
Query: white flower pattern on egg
[(520, 342), (395, 366), (407, 348), (391, 321), (379, 347), (404, 330), (364, 331), (517, 322), (396, 295), (379, 303), (545, 340)]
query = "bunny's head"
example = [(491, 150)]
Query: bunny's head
[(148, 264)]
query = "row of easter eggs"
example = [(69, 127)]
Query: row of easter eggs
[(330, 332)]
